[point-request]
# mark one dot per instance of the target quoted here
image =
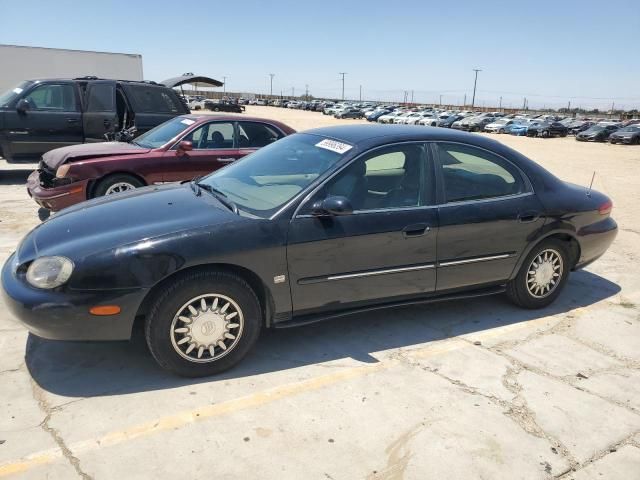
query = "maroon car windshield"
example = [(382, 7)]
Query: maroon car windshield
[(163, 133)]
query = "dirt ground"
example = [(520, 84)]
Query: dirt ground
[(473, 389)]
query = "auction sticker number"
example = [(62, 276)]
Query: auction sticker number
[(334, 146)]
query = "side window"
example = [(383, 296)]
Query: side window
[(153, 99), (470, 173), (101, 97), (256, 135), (393, 177), (56, 98), (214, 135)]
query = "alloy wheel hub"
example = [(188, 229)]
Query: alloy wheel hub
[(544, 273)]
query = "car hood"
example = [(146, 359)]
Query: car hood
[(54, 158), (118, 220)]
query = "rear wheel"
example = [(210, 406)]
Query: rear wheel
[(117, 183), (542, 276), (203, 324)]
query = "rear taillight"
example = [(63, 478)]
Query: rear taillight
[(605, 208)]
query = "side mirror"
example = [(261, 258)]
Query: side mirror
[(332, 206), (22, 106), (184, 146)]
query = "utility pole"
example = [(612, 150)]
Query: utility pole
[(475, 82), (524, 103), (464, 103), (343, 74), (306, 92), (360, 93), (411, 96), (440, 100), (293, 92), (569, 107), (271, 91), (500, 107), (224, 86)]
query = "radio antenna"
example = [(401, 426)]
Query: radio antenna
[(591, 184)]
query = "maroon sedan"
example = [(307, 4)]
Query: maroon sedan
[(179, 149)]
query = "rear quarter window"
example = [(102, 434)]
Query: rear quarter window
[(151, 99)]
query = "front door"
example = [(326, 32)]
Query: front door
[(487, 214), (52, 120), (214, 146), (384, 250)]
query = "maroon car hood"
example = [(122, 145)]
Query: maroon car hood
[(54, 158)]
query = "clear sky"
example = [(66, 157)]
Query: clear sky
[(552, 52)]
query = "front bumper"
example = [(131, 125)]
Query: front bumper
[(56, 198), (64, 314)]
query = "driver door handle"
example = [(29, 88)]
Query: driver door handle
[(415, 230), (528, 217), (226, 159)]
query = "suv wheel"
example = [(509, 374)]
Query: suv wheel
[(542, 276), (203, 324)]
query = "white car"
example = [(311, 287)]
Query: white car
[(409, 119), (261, 102), (196, 103), (500, 125), (390, 117), (429, 121)]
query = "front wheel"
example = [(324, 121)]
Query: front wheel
[(203, 324), (117, 183), (542, 276)]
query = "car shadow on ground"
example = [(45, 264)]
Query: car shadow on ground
[(88, 369)]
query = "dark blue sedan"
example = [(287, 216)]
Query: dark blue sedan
[(319, 224)]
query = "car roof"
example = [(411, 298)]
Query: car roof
[(233, 117)]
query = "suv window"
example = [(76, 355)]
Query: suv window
[(256, 135), (392, 177), (57, 98), (101, 97), (470, 173), (153, 99), (213, 135)]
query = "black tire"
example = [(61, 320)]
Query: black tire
[(518, 290), (545, 134), (168, 304), (106, 183), (216, 109)]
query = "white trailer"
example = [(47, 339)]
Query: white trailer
[(18, 63)]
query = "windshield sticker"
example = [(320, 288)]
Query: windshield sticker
[(186, 121), (334, 146), (17, 90)]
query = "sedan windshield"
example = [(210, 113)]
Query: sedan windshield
[(163, 133), (261, 183), (10, 95)]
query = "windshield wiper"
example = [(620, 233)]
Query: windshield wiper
[(221, 196)]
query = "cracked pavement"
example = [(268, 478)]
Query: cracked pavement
[(473, 389)]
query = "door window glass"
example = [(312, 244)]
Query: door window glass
[(471, 174), (256, 135), (393, 177), (59, 98), (101, 97), (217, 135)]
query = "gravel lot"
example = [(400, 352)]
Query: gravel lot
[(465, 390)]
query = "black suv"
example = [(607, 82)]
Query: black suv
[(40, 115)]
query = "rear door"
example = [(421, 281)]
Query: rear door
[(214, 146), (152, 104), (488, 212), (52, 120), (100, 115)]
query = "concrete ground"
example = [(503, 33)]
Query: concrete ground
[(473, 389)]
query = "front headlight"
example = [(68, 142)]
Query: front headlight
[(62, 170), (49, 272)]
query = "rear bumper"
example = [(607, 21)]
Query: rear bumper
[(64, 315), (56, 198), (594, 240)]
